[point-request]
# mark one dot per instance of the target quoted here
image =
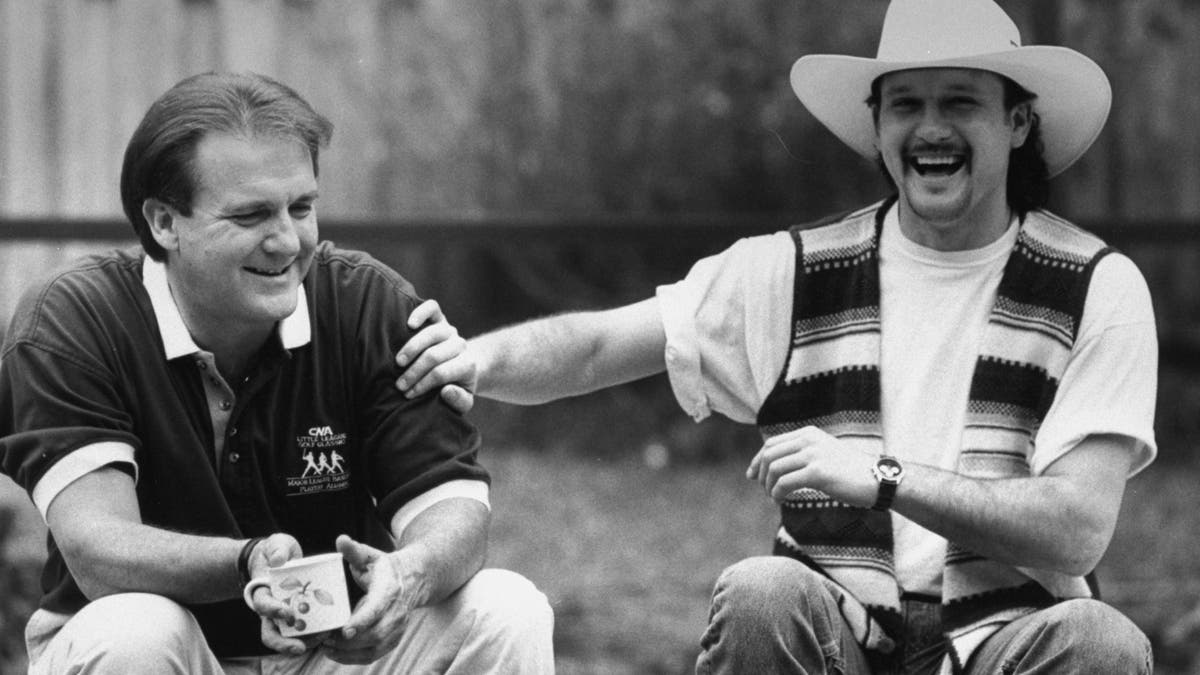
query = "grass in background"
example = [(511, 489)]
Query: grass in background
[(628, 554)]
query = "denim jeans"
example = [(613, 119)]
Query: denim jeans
[(775, 615)]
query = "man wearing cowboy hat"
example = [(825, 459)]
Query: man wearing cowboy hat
[(954, 384)]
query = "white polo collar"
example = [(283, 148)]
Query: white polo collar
[(294, 331)]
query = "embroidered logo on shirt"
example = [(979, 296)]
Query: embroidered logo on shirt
[(324, 466)]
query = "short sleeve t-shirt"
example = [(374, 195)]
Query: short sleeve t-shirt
[(728, 334)]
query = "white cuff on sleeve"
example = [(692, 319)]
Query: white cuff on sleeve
[(470, 489), (78, 464)]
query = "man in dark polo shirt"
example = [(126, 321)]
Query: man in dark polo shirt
[(188, 414)]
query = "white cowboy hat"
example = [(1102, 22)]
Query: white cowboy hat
[(1073, 94)]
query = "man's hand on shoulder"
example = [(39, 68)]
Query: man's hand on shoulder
[(437, 356)]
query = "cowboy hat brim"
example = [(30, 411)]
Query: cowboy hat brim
[(1073, 94)]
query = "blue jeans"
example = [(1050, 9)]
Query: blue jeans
[(774, 615)]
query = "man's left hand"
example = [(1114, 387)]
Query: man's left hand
[(811, 458), (378, 622)]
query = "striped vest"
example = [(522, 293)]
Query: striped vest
[(831, 380)]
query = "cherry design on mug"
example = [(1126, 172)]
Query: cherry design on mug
[(299, 596)]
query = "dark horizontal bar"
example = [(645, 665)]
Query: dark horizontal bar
[(548, 228)]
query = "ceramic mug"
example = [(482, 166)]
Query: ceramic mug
[(315, 589)]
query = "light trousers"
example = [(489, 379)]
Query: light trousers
[(775, 615), (498, 622)]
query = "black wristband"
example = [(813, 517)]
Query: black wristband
[(243, 561)]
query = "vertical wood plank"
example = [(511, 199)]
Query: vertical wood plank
[(89, 168), (146, 34), (6, 17), (250, 34), (24, 186)]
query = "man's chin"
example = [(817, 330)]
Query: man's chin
[(938, 205), (276, 308)]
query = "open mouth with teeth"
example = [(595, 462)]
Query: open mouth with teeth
[(265, 272), (937, 165)]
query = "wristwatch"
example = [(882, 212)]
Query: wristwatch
[(888, 471)]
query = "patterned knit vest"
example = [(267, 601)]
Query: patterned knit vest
[(831, 381)]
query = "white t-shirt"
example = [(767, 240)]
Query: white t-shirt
[(728, 327)]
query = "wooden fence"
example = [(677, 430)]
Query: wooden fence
[(463, 108)]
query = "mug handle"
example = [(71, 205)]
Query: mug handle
[(254, 585)]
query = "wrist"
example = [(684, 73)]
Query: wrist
[(414, 591), (243, 559), (888, 473)]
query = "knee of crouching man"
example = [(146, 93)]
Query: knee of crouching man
[(508, 601)]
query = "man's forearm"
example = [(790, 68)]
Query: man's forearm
[(1020, 521), (130, 557), (97, 525), (570, 354), (1060, 521), (442, 548)]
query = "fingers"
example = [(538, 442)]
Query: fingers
[(426, 312), (272, 611), (782, 455), (273, 552), (788, 474), (274, 640), (458, 398), (279, 548), (359, 556), (366, 616), (423, 339), (378, 619), (438, 365)]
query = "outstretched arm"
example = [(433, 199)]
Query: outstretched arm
[(540, 360)]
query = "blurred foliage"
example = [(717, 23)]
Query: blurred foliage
[(18, 593), (676, 106)]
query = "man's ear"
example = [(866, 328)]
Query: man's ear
[(162, 219), (1021, 117)]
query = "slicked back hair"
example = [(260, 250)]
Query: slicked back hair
[(160, 158)]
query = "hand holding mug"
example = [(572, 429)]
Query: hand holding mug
[(294, 605)]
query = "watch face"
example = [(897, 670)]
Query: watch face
[(889, 469)]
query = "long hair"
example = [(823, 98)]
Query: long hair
[(1028, 181), (160, 157)]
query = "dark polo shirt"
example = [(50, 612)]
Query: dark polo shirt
[(318, 442)]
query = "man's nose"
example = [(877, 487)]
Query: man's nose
[(933, 126), (284, 237)]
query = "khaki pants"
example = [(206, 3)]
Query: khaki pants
[(497, 623)]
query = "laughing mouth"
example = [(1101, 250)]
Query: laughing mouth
[(937, 165), (266, 272)]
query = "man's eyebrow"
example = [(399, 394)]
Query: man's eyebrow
[(257, 204), (893, 89)]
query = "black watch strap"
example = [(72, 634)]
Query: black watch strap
[(888, 472), (887, 493)]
